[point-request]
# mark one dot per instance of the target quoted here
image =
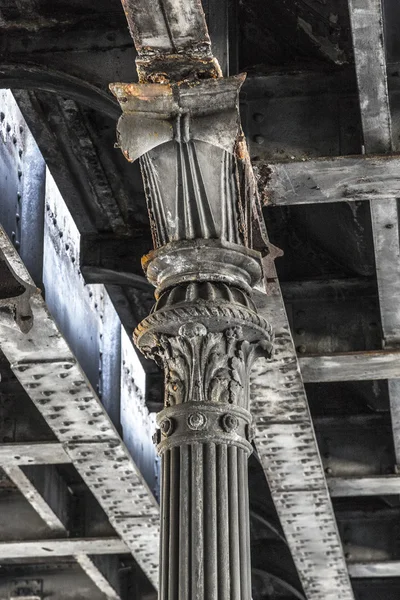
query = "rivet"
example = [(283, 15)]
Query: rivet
[(259, 139), (258, 117)]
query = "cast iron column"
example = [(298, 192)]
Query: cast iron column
[(203, 330)]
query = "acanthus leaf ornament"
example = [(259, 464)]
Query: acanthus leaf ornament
[(206, 366)]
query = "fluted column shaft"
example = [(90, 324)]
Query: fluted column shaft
[(205, 540)]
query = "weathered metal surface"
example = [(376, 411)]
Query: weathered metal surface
[(99, 349), (367, 19), (50, 502), (348, 487), (385, 226), (66, 580), (171, 39), (93, 567), (288, 451), (40, 453), (62, 547), (371, 569), (203, 330), (295, 472), (338, 179), (49, 372), (369, 53), (357, 366)]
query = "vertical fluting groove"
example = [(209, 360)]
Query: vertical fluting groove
[(224, 231), (206, 217), (234, 548), (154, 201), (247, 513), (228, 191), (197, 553), (223, 524), (233, 199), (174, 525), (210, 523), (184, 222), (190, 204), (165, 526), (184, 523), (243, 525)]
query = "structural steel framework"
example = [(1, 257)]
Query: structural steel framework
[(72, 292)]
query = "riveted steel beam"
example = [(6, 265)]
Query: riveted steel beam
[(49, 373)]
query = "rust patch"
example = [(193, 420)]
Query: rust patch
[(263, 174), (177, 69)]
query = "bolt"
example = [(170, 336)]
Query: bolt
[(259, 139), (301, 349), (300, 331), (258, 117)]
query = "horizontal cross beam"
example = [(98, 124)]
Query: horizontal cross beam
[(389, 568), (336, 179), (61, 547), (348, 487), (34, 453), (351, 366)]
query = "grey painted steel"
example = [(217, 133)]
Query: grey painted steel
[(371, 569), (369, 54), (61, 547), (336, 179), (53, 516), (40, 453), (48, 371), (356, 366), (385, 226), (287, 447), (171, 39), (348, 487), (97, 570), (367, 20)]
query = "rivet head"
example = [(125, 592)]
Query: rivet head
[(258, 117), (259, 139), (197, 421), (230, 423), (167, 427)]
